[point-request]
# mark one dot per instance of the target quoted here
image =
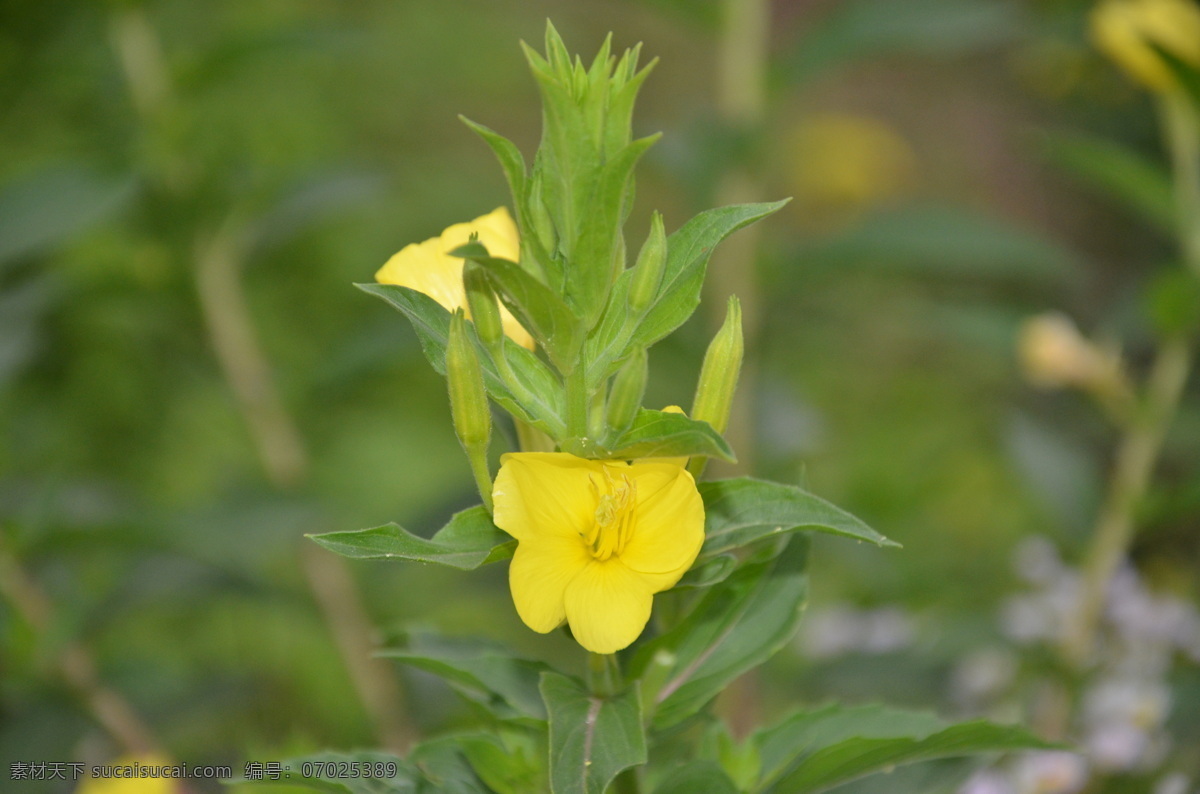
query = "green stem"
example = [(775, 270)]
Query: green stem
[(603, 674), (483, 475), (1135, 459), (1182, 123), (578, 403), (1142, 442)]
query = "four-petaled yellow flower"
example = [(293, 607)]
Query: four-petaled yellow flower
[(596, 540), (428, 267), (1126, 29)]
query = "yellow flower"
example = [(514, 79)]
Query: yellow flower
[(1125, 29), (429, 268), (133, 774), (596, 541)]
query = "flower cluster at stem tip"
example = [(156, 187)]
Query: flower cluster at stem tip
[(595, 539)]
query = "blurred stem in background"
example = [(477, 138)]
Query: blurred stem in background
[(72, 661), (219, 259), (741, 101), (1141, 444)]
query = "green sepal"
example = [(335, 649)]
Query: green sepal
[(658, 434), (480, 670), (818, 750), (592, 738), (468, 541), (431, 322), (736, 626)]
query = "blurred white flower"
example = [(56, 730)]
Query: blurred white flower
[(1050, 772), (840, 629), (1175, 783), (982, 676), (1036, 561), (987, 781)]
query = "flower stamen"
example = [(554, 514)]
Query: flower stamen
[(613, 524)]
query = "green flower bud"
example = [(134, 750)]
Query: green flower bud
[(485, 309), (464, 376), (719, 374), (648, 272), (628, 388)]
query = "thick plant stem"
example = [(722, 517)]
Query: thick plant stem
[(578, 403), (1136, 456), (483, 475), (603, 674), (1139, 448)]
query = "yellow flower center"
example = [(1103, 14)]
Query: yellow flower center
[(613, 525)]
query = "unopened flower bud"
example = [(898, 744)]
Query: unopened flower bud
[(1129, 31), (464, 377), (627, 391), (1054, 355), (648, 271), (719, 373), (485, 310)]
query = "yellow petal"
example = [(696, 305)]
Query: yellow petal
[(670, 524), (607, 606), (544, 494), (538, 578), (428, 267)]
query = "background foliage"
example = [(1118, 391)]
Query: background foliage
[(154, 494)]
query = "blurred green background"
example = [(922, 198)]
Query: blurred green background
[(189, 383)]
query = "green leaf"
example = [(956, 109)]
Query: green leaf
[(832, 750), (507, 760), (738, 625), (1186, 73), (655, 434), (480, 670), (468, 541), (1118, 172), (431, 322), (535, 306), (709, 572), (688, 251), (332, 770), (697, 777), (806, 732), (741, 511), (445, 768), (592, 738), (49, 206), (594, 253), (945, 242)]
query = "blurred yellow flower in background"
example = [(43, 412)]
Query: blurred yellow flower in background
[(139, 780), (596, 541), (428, 267), (844, 163), (1125, 30), (1053, 354)]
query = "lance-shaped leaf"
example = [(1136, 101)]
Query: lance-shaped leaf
[(688, 251), (739, 624), (482, 671), (741, 511), (709, 572), (1119, 172), (509, 760), (534, 304), (592, 739), (468, 541), (594, 262), (655, 434), (432, 325), (816, 751), (444, 767), (331, 772)]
